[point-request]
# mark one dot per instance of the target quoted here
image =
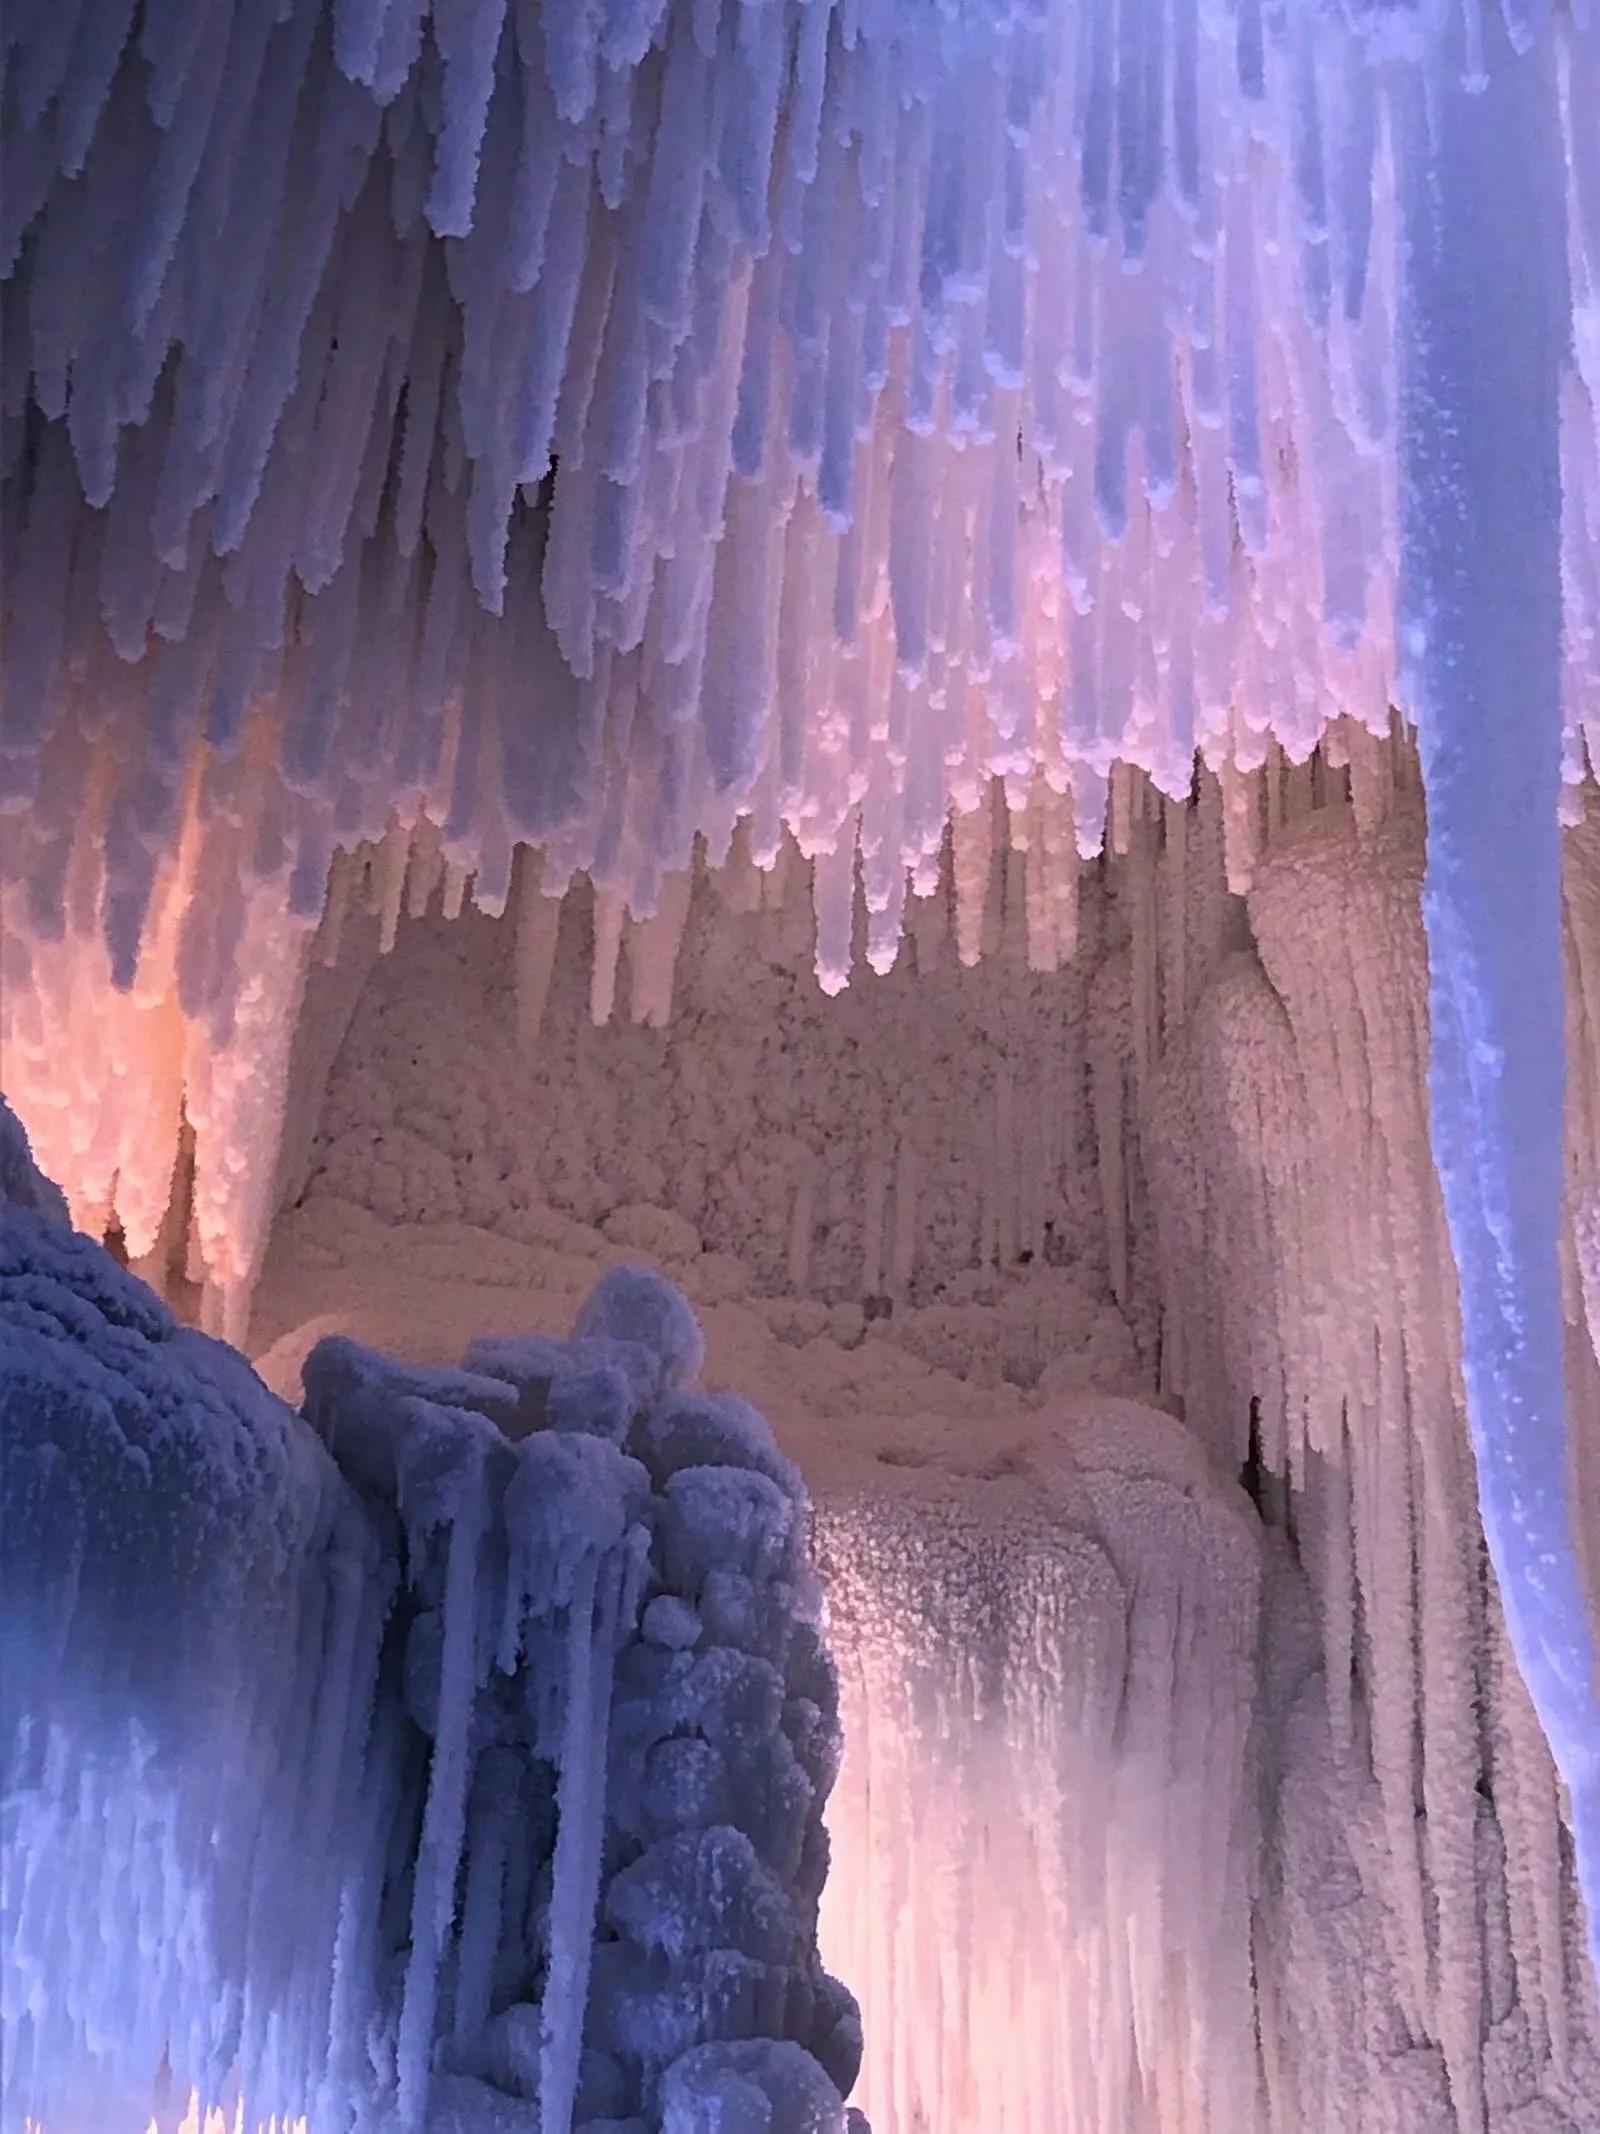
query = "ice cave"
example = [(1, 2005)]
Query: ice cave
[(800, 1035)]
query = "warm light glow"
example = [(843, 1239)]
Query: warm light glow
[(1042, 1831), (202, 2120)]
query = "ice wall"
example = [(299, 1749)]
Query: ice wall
[(928, 1124), (452, 1758), (1288, 1146)]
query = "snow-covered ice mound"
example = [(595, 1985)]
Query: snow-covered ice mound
[(451, 1755)]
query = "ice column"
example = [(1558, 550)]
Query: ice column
[(191, 1606), (1486, 339)]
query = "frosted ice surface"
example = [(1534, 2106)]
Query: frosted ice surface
[(671, 1622), (713, 1430), (749, 2088), (700, 1891), (352, 1395), (729, 1518), (637, 1305), (460, 2104), (596, 1384), (22, 1184)]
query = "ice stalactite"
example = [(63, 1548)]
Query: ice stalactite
[(521, 1660), (209, 1095)]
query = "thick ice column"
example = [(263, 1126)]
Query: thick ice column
[(1486, 338)]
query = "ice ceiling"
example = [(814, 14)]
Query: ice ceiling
[(470, 446)]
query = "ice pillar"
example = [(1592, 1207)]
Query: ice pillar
[(1486, 326)]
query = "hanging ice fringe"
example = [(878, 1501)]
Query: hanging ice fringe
[(580, 426)]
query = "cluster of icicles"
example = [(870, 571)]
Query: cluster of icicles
[(597, 429), (590, 426)]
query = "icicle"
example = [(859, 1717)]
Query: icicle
[(575, 1869), (444, 1819), (538, 923), (609, 912), (340, 882), (455, 889), (971, 832), (653, 946), (834, 892), (902, 1262), (1241, 826), (389, 876), (800, 1231)]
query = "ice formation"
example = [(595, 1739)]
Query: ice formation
[(879, 454), (1290, 1145), (1045, 1827), (1484, 381), (520, 1658)]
